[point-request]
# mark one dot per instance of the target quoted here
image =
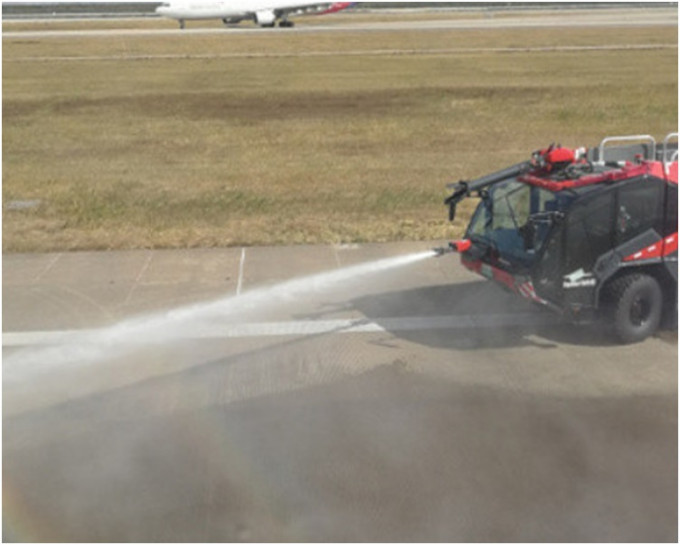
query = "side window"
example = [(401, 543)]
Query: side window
[(671, 219), (639, 208), (589, 233)]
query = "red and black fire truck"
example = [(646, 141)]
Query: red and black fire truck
[(590, 233)]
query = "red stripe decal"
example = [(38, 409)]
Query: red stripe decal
[(670, 244), (659, 249)]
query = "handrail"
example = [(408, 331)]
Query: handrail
[(666, 141), (674, 157), (633, 138)]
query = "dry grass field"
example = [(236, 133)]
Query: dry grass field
[(176, 141)]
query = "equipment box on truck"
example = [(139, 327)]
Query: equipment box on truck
[(592, 234)]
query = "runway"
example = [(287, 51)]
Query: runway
[(185, 396), (565, 19)]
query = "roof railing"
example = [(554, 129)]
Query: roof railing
[(667, 161), (649, 150)]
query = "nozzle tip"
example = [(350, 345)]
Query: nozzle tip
[(438, 252)]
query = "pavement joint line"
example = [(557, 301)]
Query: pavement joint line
[(135, 284), (49, 266), (84, 297), (241, 264), (202, 331)]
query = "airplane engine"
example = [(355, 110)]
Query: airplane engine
[(265, 17)]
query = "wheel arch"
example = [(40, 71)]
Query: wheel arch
[(666, 280), (656, 270)]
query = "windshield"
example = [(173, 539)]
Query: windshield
[(506, 210)]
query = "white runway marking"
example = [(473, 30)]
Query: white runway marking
[(297, 328)]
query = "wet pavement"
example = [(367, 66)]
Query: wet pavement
[(415, 403)]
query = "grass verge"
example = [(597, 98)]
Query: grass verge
[(341, 147)]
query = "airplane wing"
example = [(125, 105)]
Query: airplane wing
[(313, 8), (269, 17)]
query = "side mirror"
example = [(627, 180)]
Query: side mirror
[(461, 191), (452, 210)]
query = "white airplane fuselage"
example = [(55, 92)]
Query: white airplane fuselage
[(263, 12)]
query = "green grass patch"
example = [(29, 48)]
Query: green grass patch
[(212, 151)]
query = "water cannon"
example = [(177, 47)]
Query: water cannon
[(455, 246)]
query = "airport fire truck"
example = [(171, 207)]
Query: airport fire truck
[(590, 233)]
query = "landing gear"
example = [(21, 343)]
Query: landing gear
[(181, 24), (285, 23), (228, 21)]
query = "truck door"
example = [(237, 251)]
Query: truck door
[(547, 276), (589, 235), (564, 273)]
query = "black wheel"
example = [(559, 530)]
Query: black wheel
[(636, 304)]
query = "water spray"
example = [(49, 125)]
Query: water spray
[(89, 346)]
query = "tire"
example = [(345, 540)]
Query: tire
[(636, 305)]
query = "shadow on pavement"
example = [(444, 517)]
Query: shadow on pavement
[(481, 306)]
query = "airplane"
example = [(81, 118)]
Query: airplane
[(265, 13)]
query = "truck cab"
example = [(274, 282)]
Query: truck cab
[(591, 234)]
